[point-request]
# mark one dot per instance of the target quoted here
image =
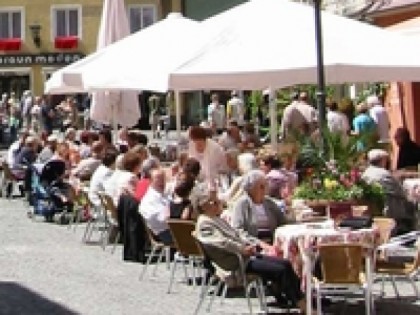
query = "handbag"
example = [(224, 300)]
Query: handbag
[(356, 223)]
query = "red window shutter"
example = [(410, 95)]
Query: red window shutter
[(10, 44), (68, 42)]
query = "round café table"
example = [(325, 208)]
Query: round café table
[(300, 241)]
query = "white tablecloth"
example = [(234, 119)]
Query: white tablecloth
[(286, 237)]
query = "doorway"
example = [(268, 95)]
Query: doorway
[(16, 82)]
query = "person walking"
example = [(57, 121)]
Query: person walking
[(379, 115), (235, 109), (216, 114)]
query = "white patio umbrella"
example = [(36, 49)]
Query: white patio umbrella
[(271, 43), (57, 84), (118, 107), (144, 60)]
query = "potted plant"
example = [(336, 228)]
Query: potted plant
[(333, 176)]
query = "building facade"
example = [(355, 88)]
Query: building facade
[(39, 37), (403, 98)]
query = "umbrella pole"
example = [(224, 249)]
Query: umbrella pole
[(114, 123), (320, 71), (273, 119), (178, 114)]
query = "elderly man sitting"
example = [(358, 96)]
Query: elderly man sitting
[(396, 204), (86, 167), (154, 207), (223, 243)]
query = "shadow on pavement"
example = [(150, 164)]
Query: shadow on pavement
[(386, 306), (16, 299)]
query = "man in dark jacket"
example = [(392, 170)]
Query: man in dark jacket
[(409, 151)]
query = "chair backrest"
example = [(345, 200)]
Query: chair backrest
[(341, 263), (416, 264), (7, 172), (149, 233), (108, 204), (181, 234), (385, 227)]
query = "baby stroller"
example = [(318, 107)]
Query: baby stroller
[(50, 194)]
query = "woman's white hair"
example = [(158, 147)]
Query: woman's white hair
[(251, 178), (247, 162)]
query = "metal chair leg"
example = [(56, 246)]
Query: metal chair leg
[(194, 279), (167, 250), (202, 297), (223, 295), (117, 239), (149, 260), (171, 280), (261, 296), (394, 284), (318, 300), (416, 290), (382, 286), (159, 261), (105, 237), (367, 302), (218, 287), (87, 231)]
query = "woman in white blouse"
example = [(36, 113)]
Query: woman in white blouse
[(208, 152)]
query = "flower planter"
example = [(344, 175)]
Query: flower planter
[(338, 210)]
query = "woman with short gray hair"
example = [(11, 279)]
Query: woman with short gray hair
[(246, 162), (254, 212)]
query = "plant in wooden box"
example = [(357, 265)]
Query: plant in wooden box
[(333, 176)]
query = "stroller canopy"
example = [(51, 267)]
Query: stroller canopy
[(53, 170)]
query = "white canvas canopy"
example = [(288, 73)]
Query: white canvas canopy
[(57, 84), (271, 43), (144, 60)]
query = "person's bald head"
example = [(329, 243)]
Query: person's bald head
[(158, 179)]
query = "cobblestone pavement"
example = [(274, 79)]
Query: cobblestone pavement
[(46, 269)]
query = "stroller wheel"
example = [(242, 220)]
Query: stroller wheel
[(49, 218)]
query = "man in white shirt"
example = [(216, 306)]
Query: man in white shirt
[(14, 149), (337, 121), (379, 115), (298, 116), (154, 207), (216, 114), (101, 174), (235, 109)]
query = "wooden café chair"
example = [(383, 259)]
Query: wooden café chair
[(342, 270), (188, 252), (248, 283), (157, 250)]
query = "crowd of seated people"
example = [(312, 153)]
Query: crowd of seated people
[(233, 176)]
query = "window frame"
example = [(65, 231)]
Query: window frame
[(142, 7), (55, 8), (11, 10)]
